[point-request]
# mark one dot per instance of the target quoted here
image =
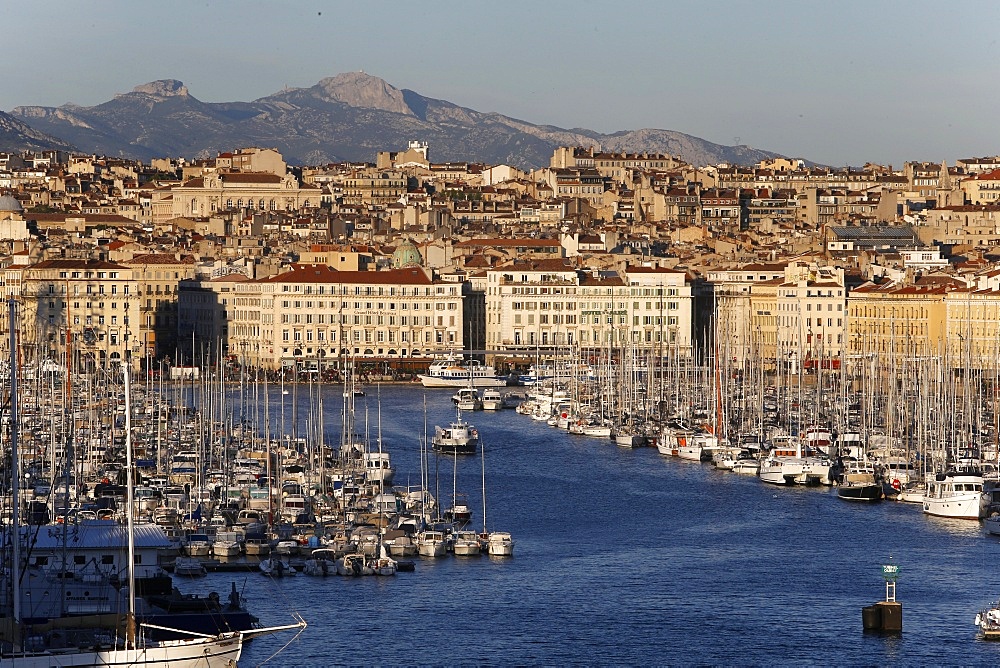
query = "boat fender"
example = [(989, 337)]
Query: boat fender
[(896, 485)]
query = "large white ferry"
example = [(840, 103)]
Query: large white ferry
[(453, 372)]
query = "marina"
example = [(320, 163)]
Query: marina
[(622, 538)]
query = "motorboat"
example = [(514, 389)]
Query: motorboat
[(988, 622), (432, 544), (322, 562), (189, 567), (859, 483), (354, 565), (276, 568), (956, 494), (459, 437), (492, 400), (467, 399), (466, 544), (378, 468), (500, 544), (454, 372)]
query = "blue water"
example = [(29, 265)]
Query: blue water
[(627, 557)]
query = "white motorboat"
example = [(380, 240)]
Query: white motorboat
[(458, 437), (955, 494), (378, 468), (322, 562), (492, 400), (431, 544), (466, 544), (467, 399), (226, 546), (353, 565), (746, 466), (189, 567), (276, 568), (453, 372), (988, 622), (198, 545), (500, 544)]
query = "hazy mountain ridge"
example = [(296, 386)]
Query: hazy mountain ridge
[(350, 116), (16, 135)]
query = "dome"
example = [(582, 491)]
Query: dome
[(406, 255), (8, 203)]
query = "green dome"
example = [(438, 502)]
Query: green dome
[(406, 255)]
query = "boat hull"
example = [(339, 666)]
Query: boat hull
[(483, 381), (860, 492)]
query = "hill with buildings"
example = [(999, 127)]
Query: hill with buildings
[(349, 117)]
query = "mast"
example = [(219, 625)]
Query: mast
[(130, 491), (15, 471)]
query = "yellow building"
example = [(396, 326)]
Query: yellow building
[(973, 327), (158, 277), (315, 316), (897, 320), (94, 301)]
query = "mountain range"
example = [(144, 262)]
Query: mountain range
[(349, 117)]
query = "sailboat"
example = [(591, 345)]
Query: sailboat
[(58, 641)]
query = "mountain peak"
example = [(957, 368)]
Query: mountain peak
[(162, 88), (358, 89)]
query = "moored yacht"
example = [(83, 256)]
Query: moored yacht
[(955, 494)]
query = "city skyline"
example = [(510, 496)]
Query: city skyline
[(836, 85)]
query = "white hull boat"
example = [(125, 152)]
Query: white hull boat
[(954, 494)]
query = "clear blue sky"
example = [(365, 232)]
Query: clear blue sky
[(836, 82)]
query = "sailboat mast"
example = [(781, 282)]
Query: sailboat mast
[(130, 491), (15, 468)]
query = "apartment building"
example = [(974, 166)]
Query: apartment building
[(809, 312), (158, 277), (93, 302), (315, 316), (543, 306)]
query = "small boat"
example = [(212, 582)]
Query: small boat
[(458, 437), (189, 567), (466, 544), (858, 483), (500, 544), (988, 622), (276, 568), (956, 494), (431, 544), (354, 565), (492, 400), (322, 562), (467, 399)]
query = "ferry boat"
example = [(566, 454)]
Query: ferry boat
[(453, 372)]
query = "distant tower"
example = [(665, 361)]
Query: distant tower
[(418, 146)]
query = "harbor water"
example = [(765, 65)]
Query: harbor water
[(626, 557)]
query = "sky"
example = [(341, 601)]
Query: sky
[(837, 83)]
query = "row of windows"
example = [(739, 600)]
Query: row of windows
[(368, 306), (368, 336), (370, 290)]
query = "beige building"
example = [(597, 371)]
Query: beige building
[(546, 306), (315, 316), (240, 191), (158, 278), (95, 302)]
